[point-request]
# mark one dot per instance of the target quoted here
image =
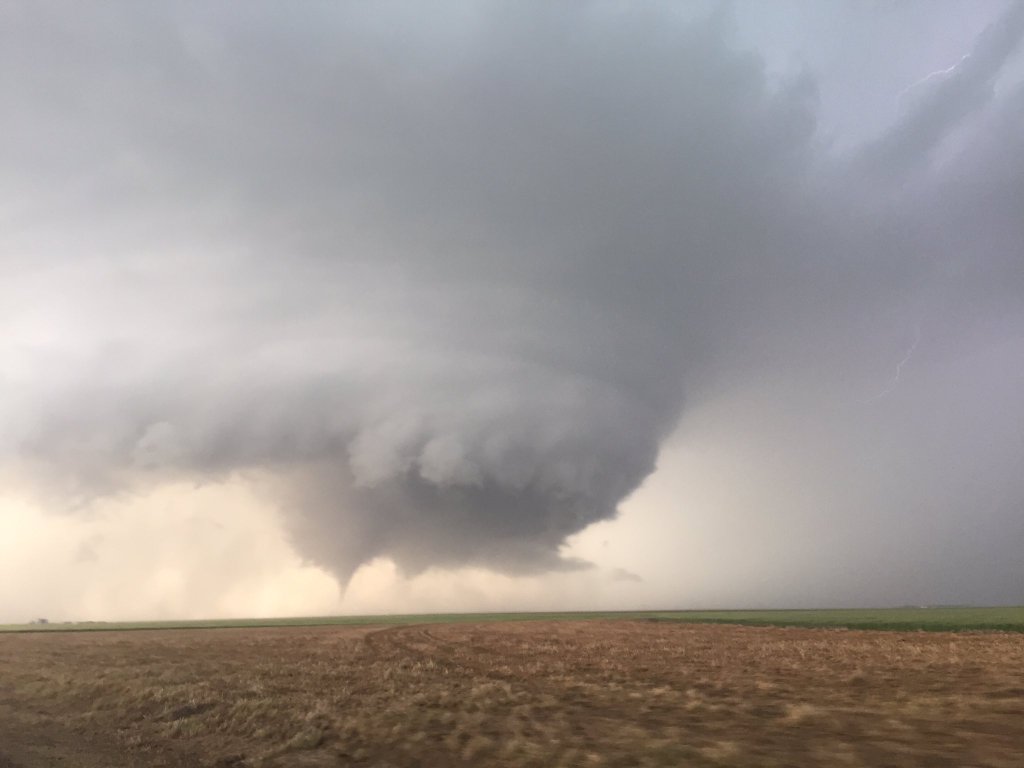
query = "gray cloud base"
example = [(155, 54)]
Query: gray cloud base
[(449, 278)]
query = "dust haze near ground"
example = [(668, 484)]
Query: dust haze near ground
[(441, 285)]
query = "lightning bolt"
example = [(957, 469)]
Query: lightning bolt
[(895, 380), (937, 77)]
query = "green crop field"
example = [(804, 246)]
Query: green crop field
[(316, 621), (954, 618), (939, 619)]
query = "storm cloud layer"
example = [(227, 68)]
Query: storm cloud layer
[(444, 279)]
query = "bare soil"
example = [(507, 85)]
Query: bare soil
[(594, 693)]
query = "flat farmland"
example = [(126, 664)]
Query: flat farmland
[(532, 693)]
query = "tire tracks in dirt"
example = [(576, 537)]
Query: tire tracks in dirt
[(423, 643)]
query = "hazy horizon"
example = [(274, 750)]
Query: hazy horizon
[(376, 308)]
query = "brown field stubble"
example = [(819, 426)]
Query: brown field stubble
[(596, 693)]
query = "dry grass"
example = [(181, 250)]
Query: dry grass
[(531, 694)]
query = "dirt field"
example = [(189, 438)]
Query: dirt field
[(590, 693)]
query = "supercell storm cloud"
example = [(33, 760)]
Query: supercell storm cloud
[(445, 278)]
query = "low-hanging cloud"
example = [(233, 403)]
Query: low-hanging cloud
[(448, 278)]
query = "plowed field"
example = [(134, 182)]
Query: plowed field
[(587, 693)]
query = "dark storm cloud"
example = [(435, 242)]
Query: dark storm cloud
[(450, 277)]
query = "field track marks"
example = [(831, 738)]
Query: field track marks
[(465, 650)]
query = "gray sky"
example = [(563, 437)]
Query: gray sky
[(370, 307)]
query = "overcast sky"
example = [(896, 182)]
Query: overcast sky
[(371, 307)]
